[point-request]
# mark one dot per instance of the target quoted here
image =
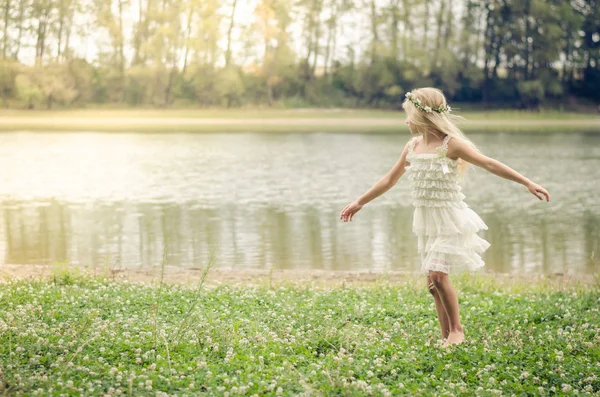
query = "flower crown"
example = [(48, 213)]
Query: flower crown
[(427, 109)]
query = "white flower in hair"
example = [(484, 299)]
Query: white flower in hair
[(448, 109), (418, 101), (427, 109)]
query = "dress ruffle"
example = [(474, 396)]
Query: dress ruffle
[(428, 164), (439, 204), (432, 175), (443, 221), (435, 195), (435, 185), (445, 226), (447, 239), (451, 253)]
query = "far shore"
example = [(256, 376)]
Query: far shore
[(321, 278), (292, 120)]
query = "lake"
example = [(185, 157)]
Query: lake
[(269, 200)]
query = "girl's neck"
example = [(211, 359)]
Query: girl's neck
[(430, 136)]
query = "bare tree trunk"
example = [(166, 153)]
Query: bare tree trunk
[(568, 55), (68, 37), (268, 62), (313, 16), (327, 52), (480, 36), (374, 32), (527, 35), (425, 26), (438, 36), (406, 44), (497, 57), (188, 34), (228, 52), (333, 49), (6, 23), (449, 25), (40, 45), (169, 86), (395, 11), (121, 51), (173, 61), (317, 35), (331, 31), (21, 24), (61, 19), (142, 32), (489, 38)]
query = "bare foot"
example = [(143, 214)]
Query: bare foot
[(455, 338)]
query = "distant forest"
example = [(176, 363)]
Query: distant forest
[(295, 53)]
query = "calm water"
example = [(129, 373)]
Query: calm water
[(273, 200)]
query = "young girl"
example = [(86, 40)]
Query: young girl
[(446, 228)]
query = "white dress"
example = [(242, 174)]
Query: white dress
[(445, 226)]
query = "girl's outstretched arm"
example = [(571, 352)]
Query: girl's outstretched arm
[(382, 186), (466, 152)]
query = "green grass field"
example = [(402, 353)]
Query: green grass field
[(280, 120), (80, 335)]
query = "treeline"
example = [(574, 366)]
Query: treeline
[(368, 53)]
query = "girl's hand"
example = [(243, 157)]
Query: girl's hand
[(349, 211), (538, 191)]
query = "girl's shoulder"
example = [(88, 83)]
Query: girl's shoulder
[(412, 141)]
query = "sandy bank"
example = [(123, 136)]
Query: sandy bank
[(321, 278)]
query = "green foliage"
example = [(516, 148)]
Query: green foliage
[(139, 85), (289, 52), (8, 77), (229, 87), (27, 90), (531, 93)]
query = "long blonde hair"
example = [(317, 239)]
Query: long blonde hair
[(435, 122)]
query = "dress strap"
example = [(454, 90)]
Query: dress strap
[(445, 143), (413, 141), (411, 144)]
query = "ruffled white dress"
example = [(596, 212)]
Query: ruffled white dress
[(445, 226)]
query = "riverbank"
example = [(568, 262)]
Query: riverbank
[(297, 120), (214, 277), (75, 334)]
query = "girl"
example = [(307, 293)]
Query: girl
[(446, 228)]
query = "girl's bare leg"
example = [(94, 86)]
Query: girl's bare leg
[(449, 299), (439, 308)]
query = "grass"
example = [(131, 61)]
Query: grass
[(280, 120), (77, 334)]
